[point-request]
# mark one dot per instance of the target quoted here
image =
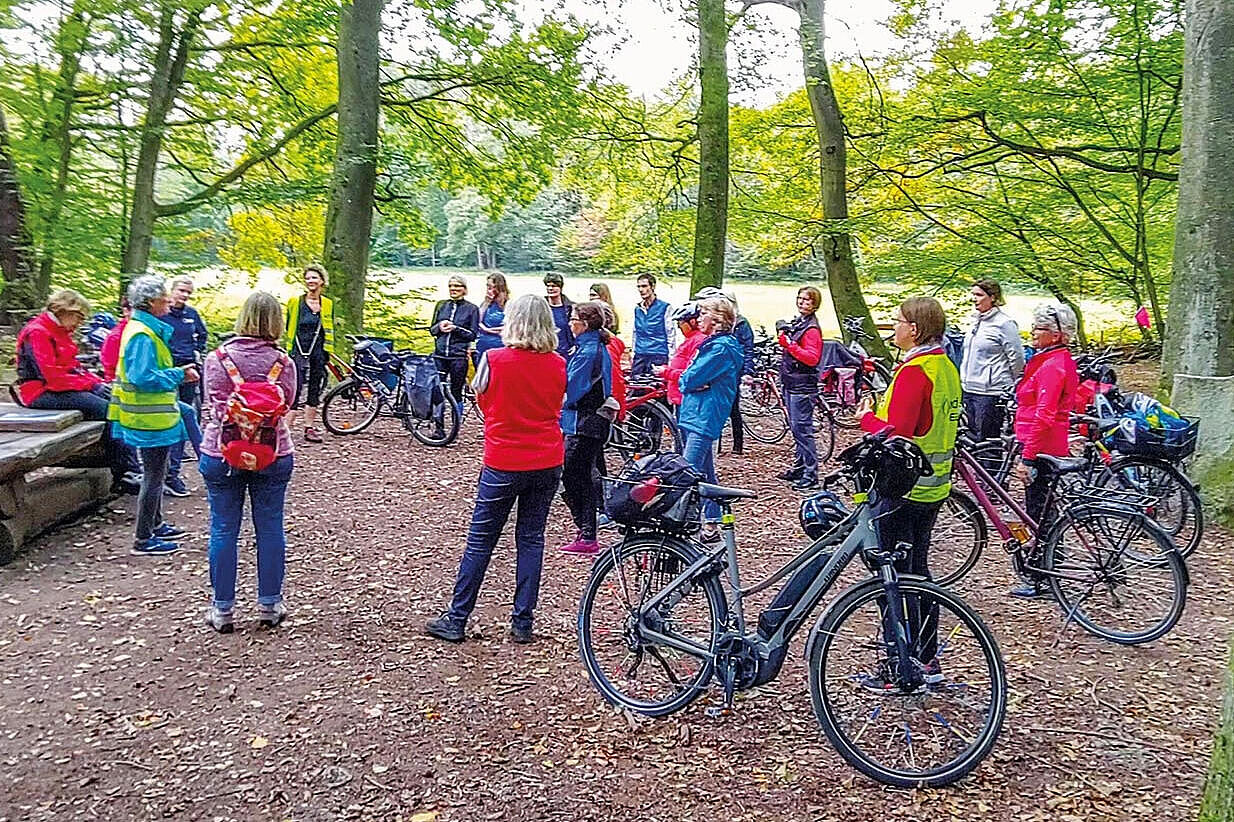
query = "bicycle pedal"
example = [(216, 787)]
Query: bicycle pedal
[(717, 711)]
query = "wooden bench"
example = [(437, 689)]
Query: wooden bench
[(31, 439)]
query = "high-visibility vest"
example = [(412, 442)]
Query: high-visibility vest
[(939, 442), (142, 410), (327, 322)]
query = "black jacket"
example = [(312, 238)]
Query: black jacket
[(464, 315)]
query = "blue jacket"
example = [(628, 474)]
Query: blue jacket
[(651, 328), (589, 382), (188, 334), (561, 319), (709, 386), (142, 370), (745, 335)]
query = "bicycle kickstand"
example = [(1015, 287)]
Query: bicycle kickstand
[(728, 676)]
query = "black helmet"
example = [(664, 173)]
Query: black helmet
[(888, 466), (820, 513)]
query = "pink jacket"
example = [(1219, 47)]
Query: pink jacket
[(679, 362), (1045, 397), (253, 358)]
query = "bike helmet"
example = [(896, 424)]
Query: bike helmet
[(888, 466), (820, 513), (685, 313), (707, 292)]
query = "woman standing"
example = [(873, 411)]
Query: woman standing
[(686, 317), (708, 388), (519, 388), (560, 304), (456, 323), (255, 353), (801, 341), (310, 341), (1044, 399), (600, 294), (589, 382), (992, 363), (492, 313), (922, 403), (145, 408)]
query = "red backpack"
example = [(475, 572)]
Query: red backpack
[(249, 435)]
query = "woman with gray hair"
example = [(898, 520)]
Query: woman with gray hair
[(145, 409), (1044, 399)]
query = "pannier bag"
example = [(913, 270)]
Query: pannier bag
[(422, 384), (657, 491), (248, 436), (375, 359)]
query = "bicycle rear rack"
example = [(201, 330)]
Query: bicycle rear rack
[(1101, 495)]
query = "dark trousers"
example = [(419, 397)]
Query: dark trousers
[(578, 483), (121, 457), (897, 521), (985, 416), (454, 369), (150, 498), (734, 417), (801, 424), (310, 374), (641, 364), (1037, 493), (193, 430), (496, 495)]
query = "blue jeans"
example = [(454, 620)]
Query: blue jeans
[(698, 452), (495, 498), (641, 364), (267, 489), (801, 423), (193, 428)]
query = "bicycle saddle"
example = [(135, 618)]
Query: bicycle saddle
[(708, 491), (1064, 465)]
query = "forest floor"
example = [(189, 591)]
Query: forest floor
[(118, 703)]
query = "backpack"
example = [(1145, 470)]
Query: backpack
[(953, 344), (655, 491), (249, 436)]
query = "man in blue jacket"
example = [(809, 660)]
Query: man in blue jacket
[(654, 328), (188, 347)]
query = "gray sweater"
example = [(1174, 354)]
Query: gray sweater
[(993, 354)]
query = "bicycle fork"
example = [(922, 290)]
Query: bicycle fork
[(896, 641)]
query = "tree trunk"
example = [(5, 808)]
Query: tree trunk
[(1217, 804), (711, 214), (349, 215), (1200, 330), (19, 296), (842, 282), (170, 61)]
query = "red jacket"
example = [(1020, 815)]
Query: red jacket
[(109, 353), (1045, 396), (522, 409), (679, 362), (616, 347), (47, 360), (910, 411)]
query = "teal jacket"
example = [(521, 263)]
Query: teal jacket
[(709, 385), (141, 369)]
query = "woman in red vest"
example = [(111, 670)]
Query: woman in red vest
[(520, 388)]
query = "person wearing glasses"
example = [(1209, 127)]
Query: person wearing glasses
[(589, 384), (992, 362), (801, 341), (560, 305), (1044, 399), (653, 328), (456, 323), (923, 404)]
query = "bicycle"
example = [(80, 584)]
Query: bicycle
[(647, 421), (375, 388), (662, 616), (1102, 555), (870, 378), (764, 415)]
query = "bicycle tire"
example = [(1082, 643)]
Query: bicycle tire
[(1178, 509), (763, 415), (652, 422), (662, 560), (350, 392), (959, 536), (981, 656), (1070, 571), (426, 431), (824, 430)]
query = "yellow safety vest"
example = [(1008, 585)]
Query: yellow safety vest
[(939, 442), (327, 322), (142, 410)]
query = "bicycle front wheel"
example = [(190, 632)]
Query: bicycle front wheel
[(350, 407), (1116, 573), (1177, 508), (921, 734), (629, 668), (762, 410), (440, 429), (958, 538)]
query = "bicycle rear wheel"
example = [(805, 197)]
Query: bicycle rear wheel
[(1115, 572), (904, 734), (1177, 509), (958, 538), (824, 430), (630, 669), (350, 407), (762, 410), (439, 430)]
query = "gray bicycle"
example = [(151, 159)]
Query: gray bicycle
[(906, 681)]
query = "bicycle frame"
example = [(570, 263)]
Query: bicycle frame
[(970, 471)]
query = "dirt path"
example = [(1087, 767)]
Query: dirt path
[(118, 704)]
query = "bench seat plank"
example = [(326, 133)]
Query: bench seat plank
[(17, 418), (20, 453)]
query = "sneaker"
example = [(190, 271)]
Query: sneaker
[(581, 546), (932, 672), (168, 531), (445, 628), (710, 532), (220, 620), (133, 477), (175, 487), (602, 521), (1031, 589), (153, 547), (125, 486), (271, 616), (805, 484), (521, 635), (312, 435), (791, 475)]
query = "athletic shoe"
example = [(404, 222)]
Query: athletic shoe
[(312, 435), (805, 484), (271, 616), (168, 531), (932, 672), (791, 475), (175, 487), (125, 486), (445, 628), (581, 546), (602, 521), (523, 636), (220, 620), (710, 532), (153, 547), (1032, 589), (132, 476)]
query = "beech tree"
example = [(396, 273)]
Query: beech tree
[(711, 213)]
